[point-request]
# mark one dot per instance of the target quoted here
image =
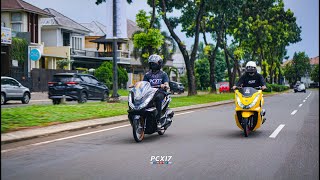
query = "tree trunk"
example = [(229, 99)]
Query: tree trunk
[(212, 58), (189, 61), (228, 66), (271, 73)]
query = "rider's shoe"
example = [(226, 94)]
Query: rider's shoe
[(263, 112), (158, 126), (264, 119)]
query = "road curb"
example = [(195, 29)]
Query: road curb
[(79, 125)]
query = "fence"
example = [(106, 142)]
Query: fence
[(41, 77)]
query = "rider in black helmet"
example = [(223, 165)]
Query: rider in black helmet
[(157, 77)]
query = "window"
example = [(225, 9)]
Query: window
[(94, 81), (13, 82), (66, 39), (16, 27), (16, 17), (16, 21), (86, 79), (77, 43)]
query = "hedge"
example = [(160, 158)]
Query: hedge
[(276, 87)]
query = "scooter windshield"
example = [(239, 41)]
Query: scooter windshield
[(141, 90), (247, 91)]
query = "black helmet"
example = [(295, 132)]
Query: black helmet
[(155, 62)]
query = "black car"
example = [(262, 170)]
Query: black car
[(176, 87), (78, 87)]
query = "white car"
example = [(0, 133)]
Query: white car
[(300, 88), (11, 89)]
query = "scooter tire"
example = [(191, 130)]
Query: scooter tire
[(135, 125), (245, 127), (161, 132)]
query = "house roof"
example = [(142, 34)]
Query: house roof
[(61, 20), (97, 28), (313, 61), (131, 28), (19, 5)]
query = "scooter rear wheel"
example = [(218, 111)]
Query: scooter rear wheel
[(162, 131)]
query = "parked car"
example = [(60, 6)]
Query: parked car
[(299, 88), (224, 87), (76, 87), (11, 89), (176, 87)]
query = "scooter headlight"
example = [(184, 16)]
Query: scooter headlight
[(145, 102), (254, 102), (240, 103)]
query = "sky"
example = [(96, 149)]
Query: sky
[(86, 11)]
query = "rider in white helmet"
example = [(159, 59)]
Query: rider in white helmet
[(252, 79), (157, 77)]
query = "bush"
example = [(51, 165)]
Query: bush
[(105, 74), (276, 88)]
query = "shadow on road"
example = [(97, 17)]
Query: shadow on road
[(238, 134)]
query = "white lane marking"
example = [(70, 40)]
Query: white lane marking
[(79, 135), (304, 100), (276, 132), (184, 113), (300, 105), (293, 112), (61, 139)]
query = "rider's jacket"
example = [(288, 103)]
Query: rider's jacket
[(251, 81), (157, 78)]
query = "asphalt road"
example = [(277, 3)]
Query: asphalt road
[(203, 144)]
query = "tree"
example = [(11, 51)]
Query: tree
[(150, 40), (298, 67), (168, 70), (104, 74), (185, 6), (315, 73), (202, 70)]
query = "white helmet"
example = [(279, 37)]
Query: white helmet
[(251, 67)]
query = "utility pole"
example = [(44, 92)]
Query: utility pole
[(115, 95)]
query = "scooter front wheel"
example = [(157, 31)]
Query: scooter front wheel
[(245, 127), (138, 129)]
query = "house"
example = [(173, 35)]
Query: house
[(306, 79), (23, 20), (62, 38)]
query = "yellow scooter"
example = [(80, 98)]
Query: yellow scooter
[(249, 113)]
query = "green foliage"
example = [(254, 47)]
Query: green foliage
[(168, 70), (203, 72), (315, 73), (300, 66), (151, 40), (62, 64), (19, 49), (104, 73), (184, 81), (276, 88)]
